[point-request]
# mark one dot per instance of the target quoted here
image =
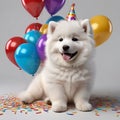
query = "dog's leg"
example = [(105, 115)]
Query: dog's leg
[(57, 96), (34, 91), (81, 99)]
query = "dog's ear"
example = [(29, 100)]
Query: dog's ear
[(87, 27), (51, 27)]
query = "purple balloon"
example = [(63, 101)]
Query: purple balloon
[(41, 47), (53, 6)]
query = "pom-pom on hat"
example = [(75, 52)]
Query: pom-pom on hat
[(71, 15)]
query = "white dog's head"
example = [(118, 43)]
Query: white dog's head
[(70, 43)]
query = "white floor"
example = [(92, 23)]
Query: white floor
[(109, 115), (99, 113), (59, 116)]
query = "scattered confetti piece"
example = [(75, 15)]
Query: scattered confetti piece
[(71, 113)]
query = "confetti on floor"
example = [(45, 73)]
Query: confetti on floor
[(100, 105), (13, 104), (106, 104)]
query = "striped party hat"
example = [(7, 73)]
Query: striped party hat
[(71, 15)]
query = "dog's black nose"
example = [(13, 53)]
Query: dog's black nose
[(65, 47)]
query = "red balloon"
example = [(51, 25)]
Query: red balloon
[(34, 7), (11, 46), (33, 26)]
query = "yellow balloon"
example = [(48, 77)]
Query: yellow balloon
[(102, 28), (44, 28)]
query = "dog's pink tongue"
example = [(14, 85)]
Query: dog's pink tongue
[(66, 57)]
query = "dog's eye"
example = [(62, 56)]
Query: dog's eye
[(74, 39), (60, 39)]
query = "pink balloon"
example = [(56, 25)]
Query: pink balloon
[(41, 47), (53, 6)]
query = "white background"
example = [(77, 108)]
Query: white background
[(14, 19)]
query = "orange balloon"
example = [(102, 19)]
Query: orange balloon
[(44, 28), (102, 28)]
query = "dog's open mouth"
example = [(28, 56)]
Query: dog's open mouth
[(69, 56)]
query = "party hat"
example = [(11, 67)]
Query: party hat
[(71, 15)]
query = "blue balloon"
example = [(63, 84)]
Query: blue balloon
[(54, 18), (32, 36), (27, 58)]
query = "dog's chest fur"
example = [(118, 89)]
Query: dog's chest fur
[(71, 78)]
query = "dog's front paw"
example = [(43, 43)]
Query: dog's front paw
[(59, 107), (25, 97), (83, 106)]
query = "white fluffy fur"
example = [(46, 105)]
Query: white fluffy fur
[(62, 81)]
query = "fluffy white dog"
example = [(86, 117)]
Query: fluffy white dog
[(68, 71)]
